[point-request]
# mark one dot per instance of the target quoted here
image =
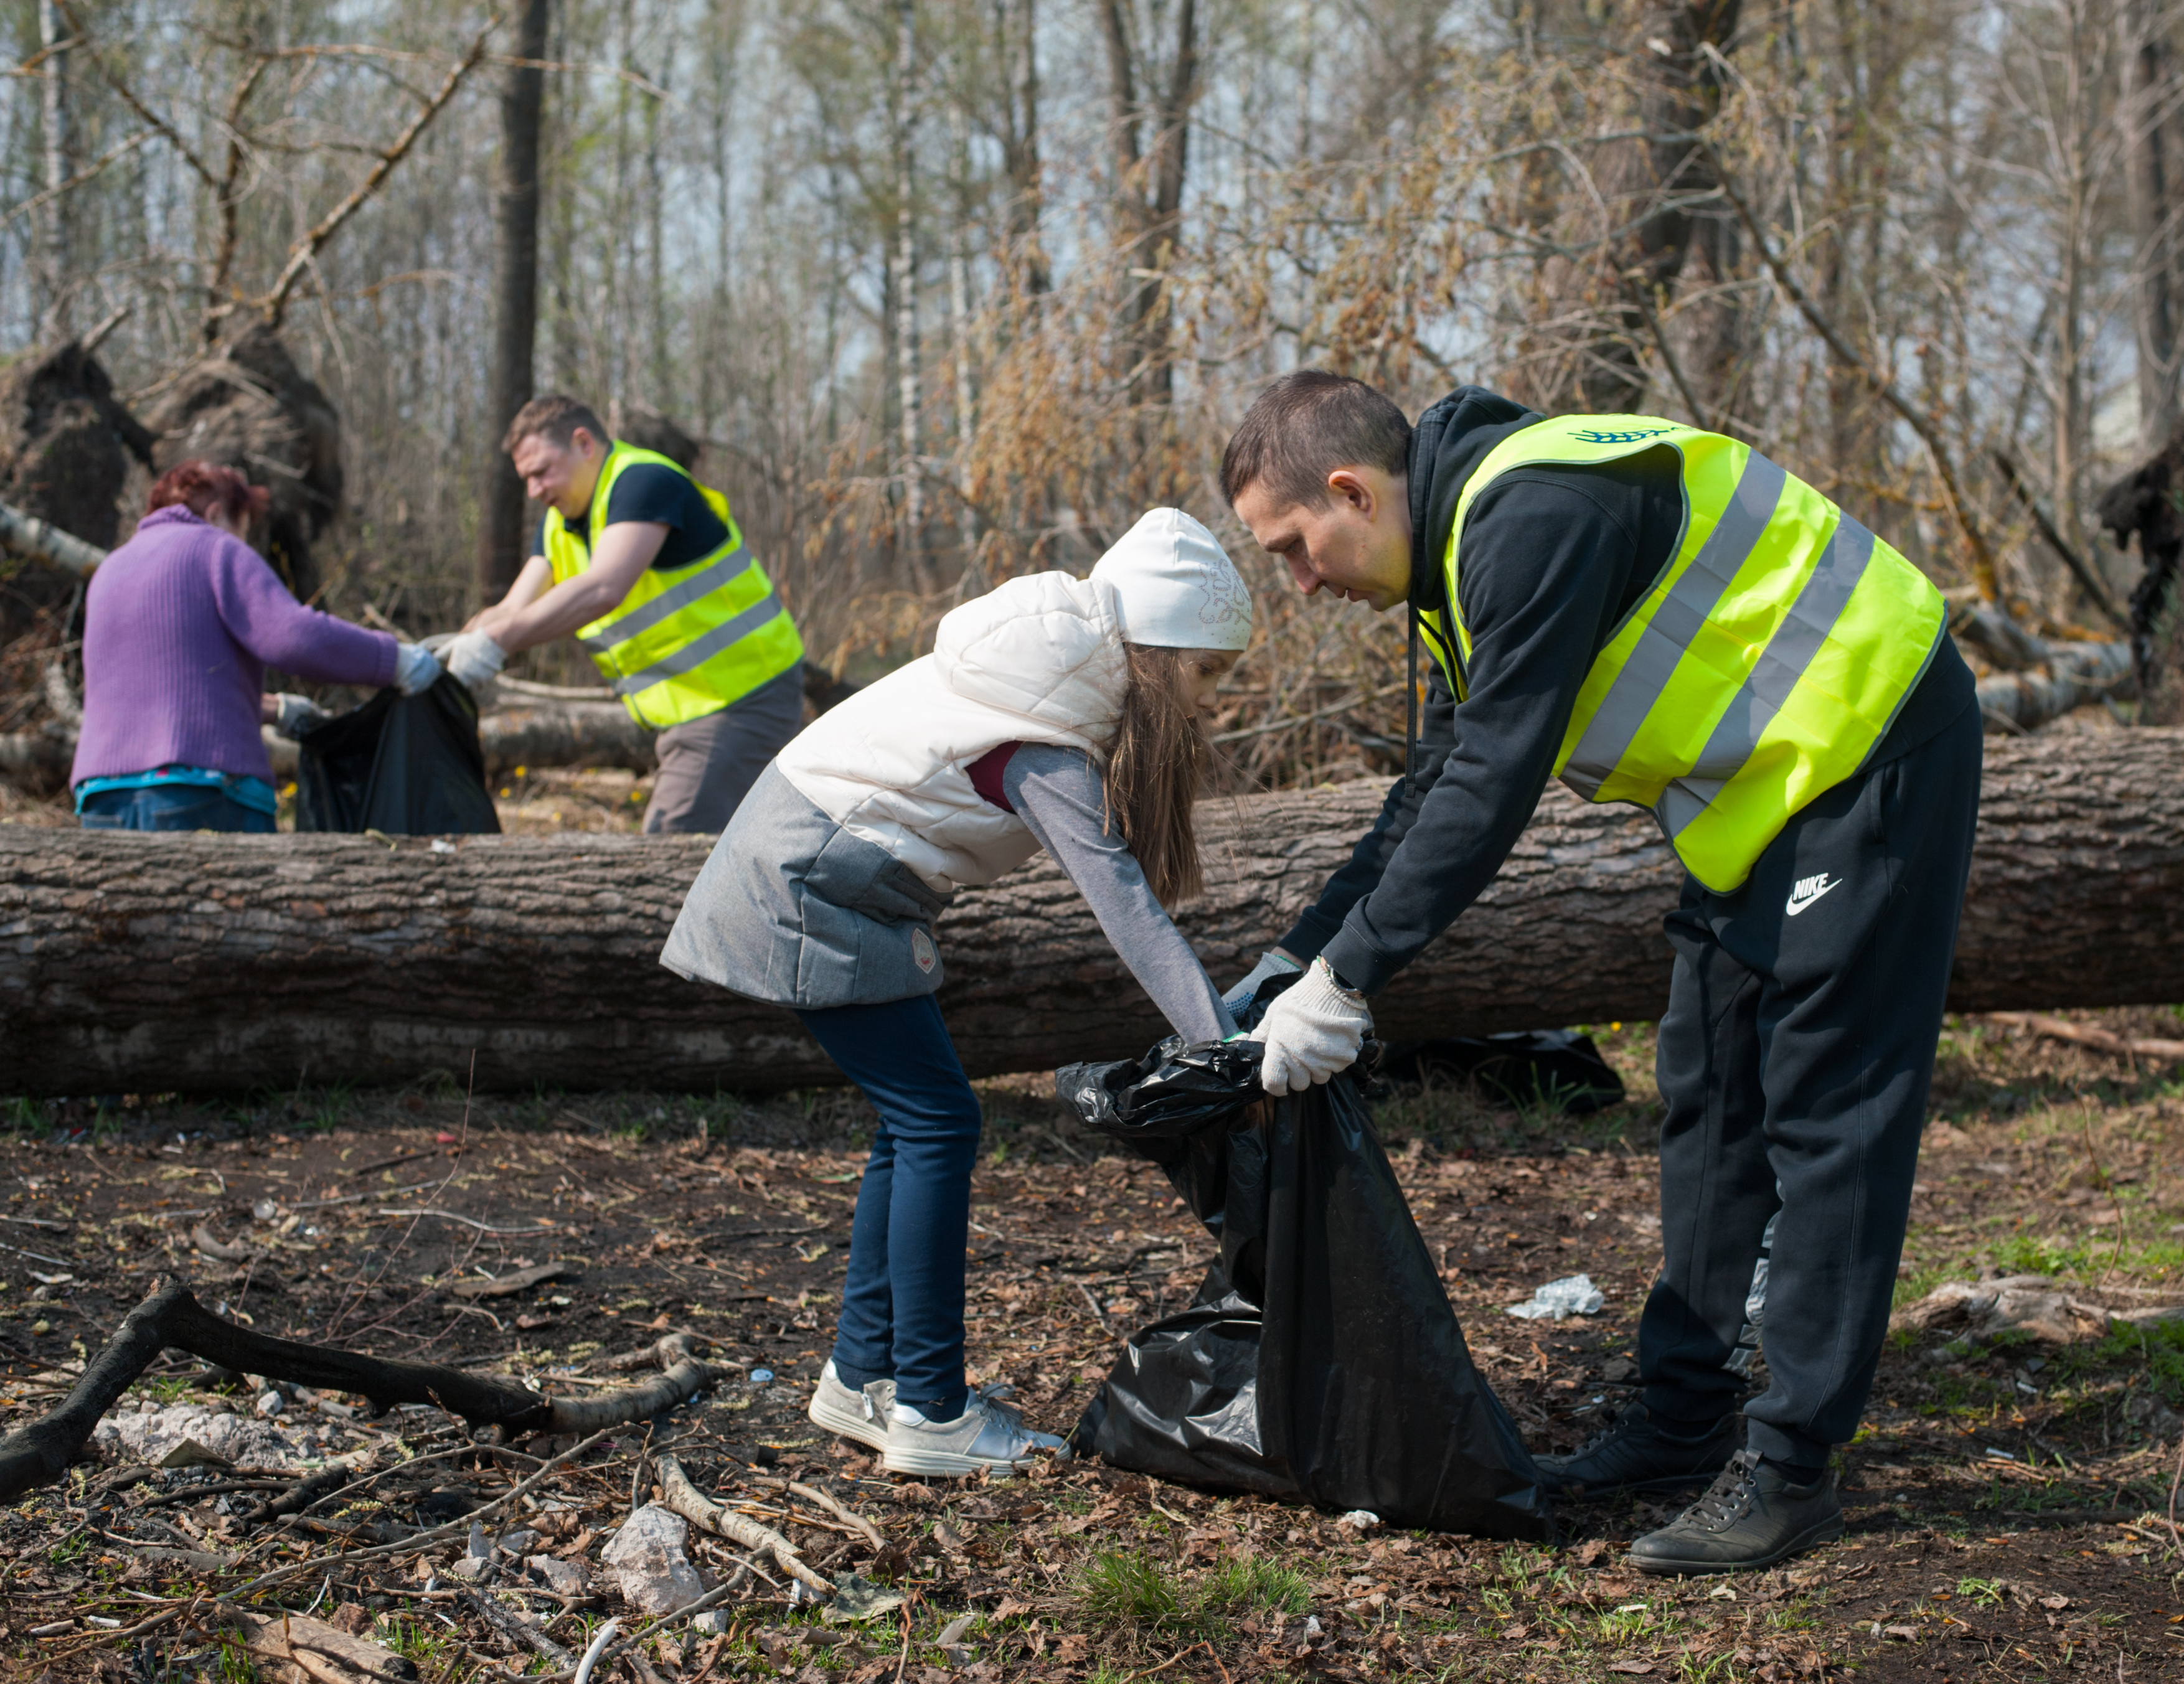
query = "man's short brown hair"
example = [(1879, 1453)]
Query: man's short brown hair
[(1306, 425), (554, 418)]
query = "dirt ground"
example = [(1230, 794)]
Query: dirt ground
[(2008, 1506)]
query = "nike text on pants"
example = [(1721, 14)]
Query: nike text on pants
[(902, 1304), (1794, 1061)]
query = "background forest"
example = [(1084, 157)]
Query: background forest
[(952, 288)]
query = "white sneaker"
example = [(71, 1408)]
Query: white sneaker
[(861, 1415), (989, 1434)]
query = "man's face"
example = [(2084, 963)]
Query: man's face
[(1357, 544), (563, 476)]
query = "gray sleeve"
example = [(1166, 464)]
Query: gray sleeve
[(1058, 793)]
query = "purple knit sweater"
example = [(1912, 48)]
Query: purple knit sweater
[(180, 625)]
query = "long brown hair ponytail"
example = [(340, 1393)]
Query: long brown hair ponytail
[(1154, 769)]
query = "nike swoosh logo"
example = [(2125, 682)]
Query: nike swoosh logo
[(1795, 905)]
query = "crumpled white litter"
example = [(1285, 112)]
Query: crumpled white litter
[(150, 1435), (1573, 1295)]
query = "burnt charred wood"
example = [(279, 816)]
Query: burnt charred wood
[(2143, 504), (37, 1453)]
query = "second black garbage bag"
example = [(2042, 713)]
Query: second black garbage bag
[(1321, 1360), (404, 766)]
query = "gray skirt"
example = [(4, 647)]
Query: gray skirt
[(793, 910)]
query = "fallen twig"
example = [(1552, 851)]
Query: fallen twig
[(812, 1493), (694, 1506), (521, 1629), (2085, 1034)]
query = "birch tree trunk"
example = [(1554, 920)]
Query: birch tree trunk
[(2148, 118), (911, 541), (53, 95)]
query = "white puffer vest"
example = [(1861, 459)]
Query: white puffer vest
[(1038, 660)]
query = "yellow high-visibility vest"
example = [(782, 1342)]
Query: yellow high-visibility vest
[(686, 641), (1762, 669)]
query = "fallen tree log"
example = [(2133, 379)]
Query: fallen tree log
[(156, 963)]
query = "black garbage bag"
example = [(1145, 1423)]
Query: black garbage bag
[(407, 765), (1320, 1360), (1556, 1067)]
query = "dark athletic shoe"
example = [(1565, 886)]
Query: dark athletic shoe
[(1751, 1517), (1632, 1453)]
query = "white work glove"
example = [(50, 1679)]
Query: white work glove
[(293, 714), (474, 658), (1273, 964), (1312, 1031), (416, 669)]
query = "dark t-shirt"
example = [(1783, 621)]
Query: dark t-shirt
[(648, 491)]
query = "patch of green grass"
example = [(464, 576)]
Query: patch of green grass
[(1129, 1588), (1984, 1592), (232, 1663), (2035, 1254), (25, 1117), (324, 1110), (1241, 1588)]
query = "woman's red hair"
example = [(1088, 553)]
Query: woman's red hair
[(204, 487)]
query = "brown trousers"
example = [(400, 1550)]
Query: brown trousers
[(708, 765)]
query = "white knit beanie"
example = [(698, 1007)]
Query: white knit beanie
[(1175, 585)]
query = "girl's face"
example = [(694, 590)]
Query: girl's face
[(1203, 670)]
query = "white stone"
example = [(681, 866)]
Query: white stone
[(649, 1563), (563, 1578), (152, 1434)]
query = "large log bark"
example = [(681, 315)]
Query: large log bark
[(155, 963)]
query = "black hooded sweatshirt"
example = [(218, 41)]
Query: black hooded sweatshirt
[(1555, 557)]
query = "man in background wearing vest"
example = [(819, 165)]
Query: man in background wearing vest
[(648, 570), (1661, 615)]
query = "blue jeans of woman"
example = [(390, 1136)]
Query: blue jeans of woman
[(902, 1305), (174, 806)]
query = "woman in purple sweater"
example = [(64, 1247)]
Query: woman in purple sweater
[(180, 625)]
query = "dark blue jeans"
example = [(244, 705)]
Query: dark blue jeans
[(172, 807), (902, 1306)]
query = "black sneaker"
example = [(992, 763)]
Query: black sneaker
[(1751, 1517), (1632, 1452)]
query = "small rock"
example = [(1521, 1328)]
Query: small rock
[(566, 1579), (711, 1623), (1364, 1519), (471, 1567), (519, 1543), (649, 1563), (270, 1404)]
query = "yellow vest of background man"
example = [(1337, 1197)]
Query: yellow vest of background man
[(1762, 669), (686, 641)]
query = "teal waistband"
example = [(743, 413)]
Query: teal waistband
[(254, 793)]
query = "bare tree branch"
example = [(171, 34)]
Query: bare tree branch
[(128, 97), (274, 304), (1984, 573)]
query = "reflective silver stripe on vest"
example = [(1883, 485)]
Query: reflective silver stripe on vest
[(677, 596), (1694, 596), (700, 651), (1781, 664)]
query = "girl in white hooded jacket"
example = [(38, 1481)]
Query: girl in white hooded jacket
[(1053, 712)]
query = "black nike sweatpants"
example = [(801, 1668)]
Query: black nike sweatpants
[(1794, 1061)]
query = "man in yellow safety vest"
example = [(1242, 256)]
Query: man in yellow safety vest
[(1659, 614), (647, 568)]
